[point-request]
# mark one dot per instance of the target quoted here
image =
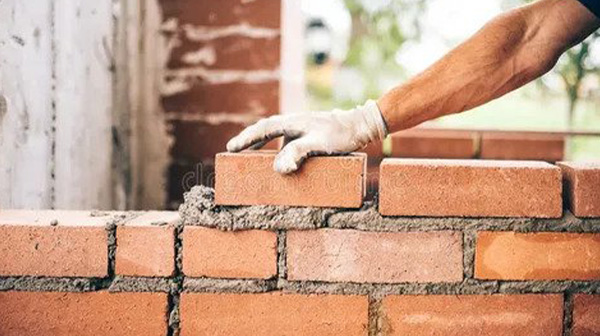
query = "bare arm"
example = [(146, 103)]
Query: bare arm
[(508, 52)]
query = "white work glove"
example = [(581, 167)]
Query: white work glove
[(316, 133)]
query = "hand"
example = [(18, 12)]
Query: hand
[(316, 133)]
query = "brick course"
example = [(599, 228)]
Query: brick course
[(522, 146), (248, 178), (526, 315), (273, 314), (355, 256), (537, 256), (469, 188), (259, 13), (447, 144)]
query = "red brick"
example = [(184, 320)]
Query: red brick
[(469, 188), (146, 245), (586, 315), (92, 313), (537, 256), (259, 13), (464, 315), (522, 146), (233, 52), (273, 314), (248, 178), (226, 254), (445, 144), (374, 151), (30, 245), (253, 99), (581, 182), (358, 256), (192, 139)]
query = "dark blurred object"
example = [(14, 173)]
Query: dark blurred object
[(318, 41)]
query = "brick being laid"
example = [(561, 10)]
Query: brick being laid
[(582, 187), (469, 188), (248, 178)]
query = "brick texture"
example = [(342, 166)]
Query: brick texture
[(537, 256), (146, 245), (374, 150), (444, 144), (97, 313), (248, 178), (522, 146), (586, 315), (469, 188), (582, 187), (259, 13), (356, 256), (233, 52), (53, 243), (254, 99), (465, 315), (273, 314), (239, 254)]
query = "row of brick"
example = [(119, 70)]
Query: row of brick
[(414, 187), (104, 313), (464, 144), (30, 244)]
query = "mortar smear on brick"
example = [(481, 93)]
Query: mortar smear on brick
[(199, 208)]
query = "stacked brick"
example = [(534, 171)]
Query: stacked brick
[(440, 143), (456, 247), (222, 74)]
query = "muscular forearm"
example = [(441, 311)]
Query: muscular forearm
[(510, 51)]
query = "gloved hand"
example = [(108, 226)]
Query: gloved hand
[(316, 133)]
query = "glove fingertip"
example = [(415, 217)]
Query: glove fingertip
[(284, 166), (232, 145)]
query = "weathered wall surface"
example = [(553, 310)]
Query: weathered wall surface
[(80, 123), (222, 74), (56, 78)]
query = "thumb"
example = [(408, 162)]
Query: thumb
[(291, 156)]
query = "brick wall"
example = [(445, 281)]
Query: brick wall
[(323, 269), (222, 74)]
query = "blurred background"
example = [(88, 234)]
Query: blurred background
[(123, 104)]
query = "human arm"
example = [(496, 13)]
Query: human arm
[(511, 50), (508, 52)]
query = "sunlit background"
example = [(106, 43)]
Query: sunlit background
[(359, 49)]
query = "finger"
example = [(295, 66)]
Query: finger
[(262, 131), (291, 156)]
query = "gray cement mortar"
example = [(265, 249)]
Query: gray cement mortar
[(200, 209), (139, 284), (369, 219), (39, 284)]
